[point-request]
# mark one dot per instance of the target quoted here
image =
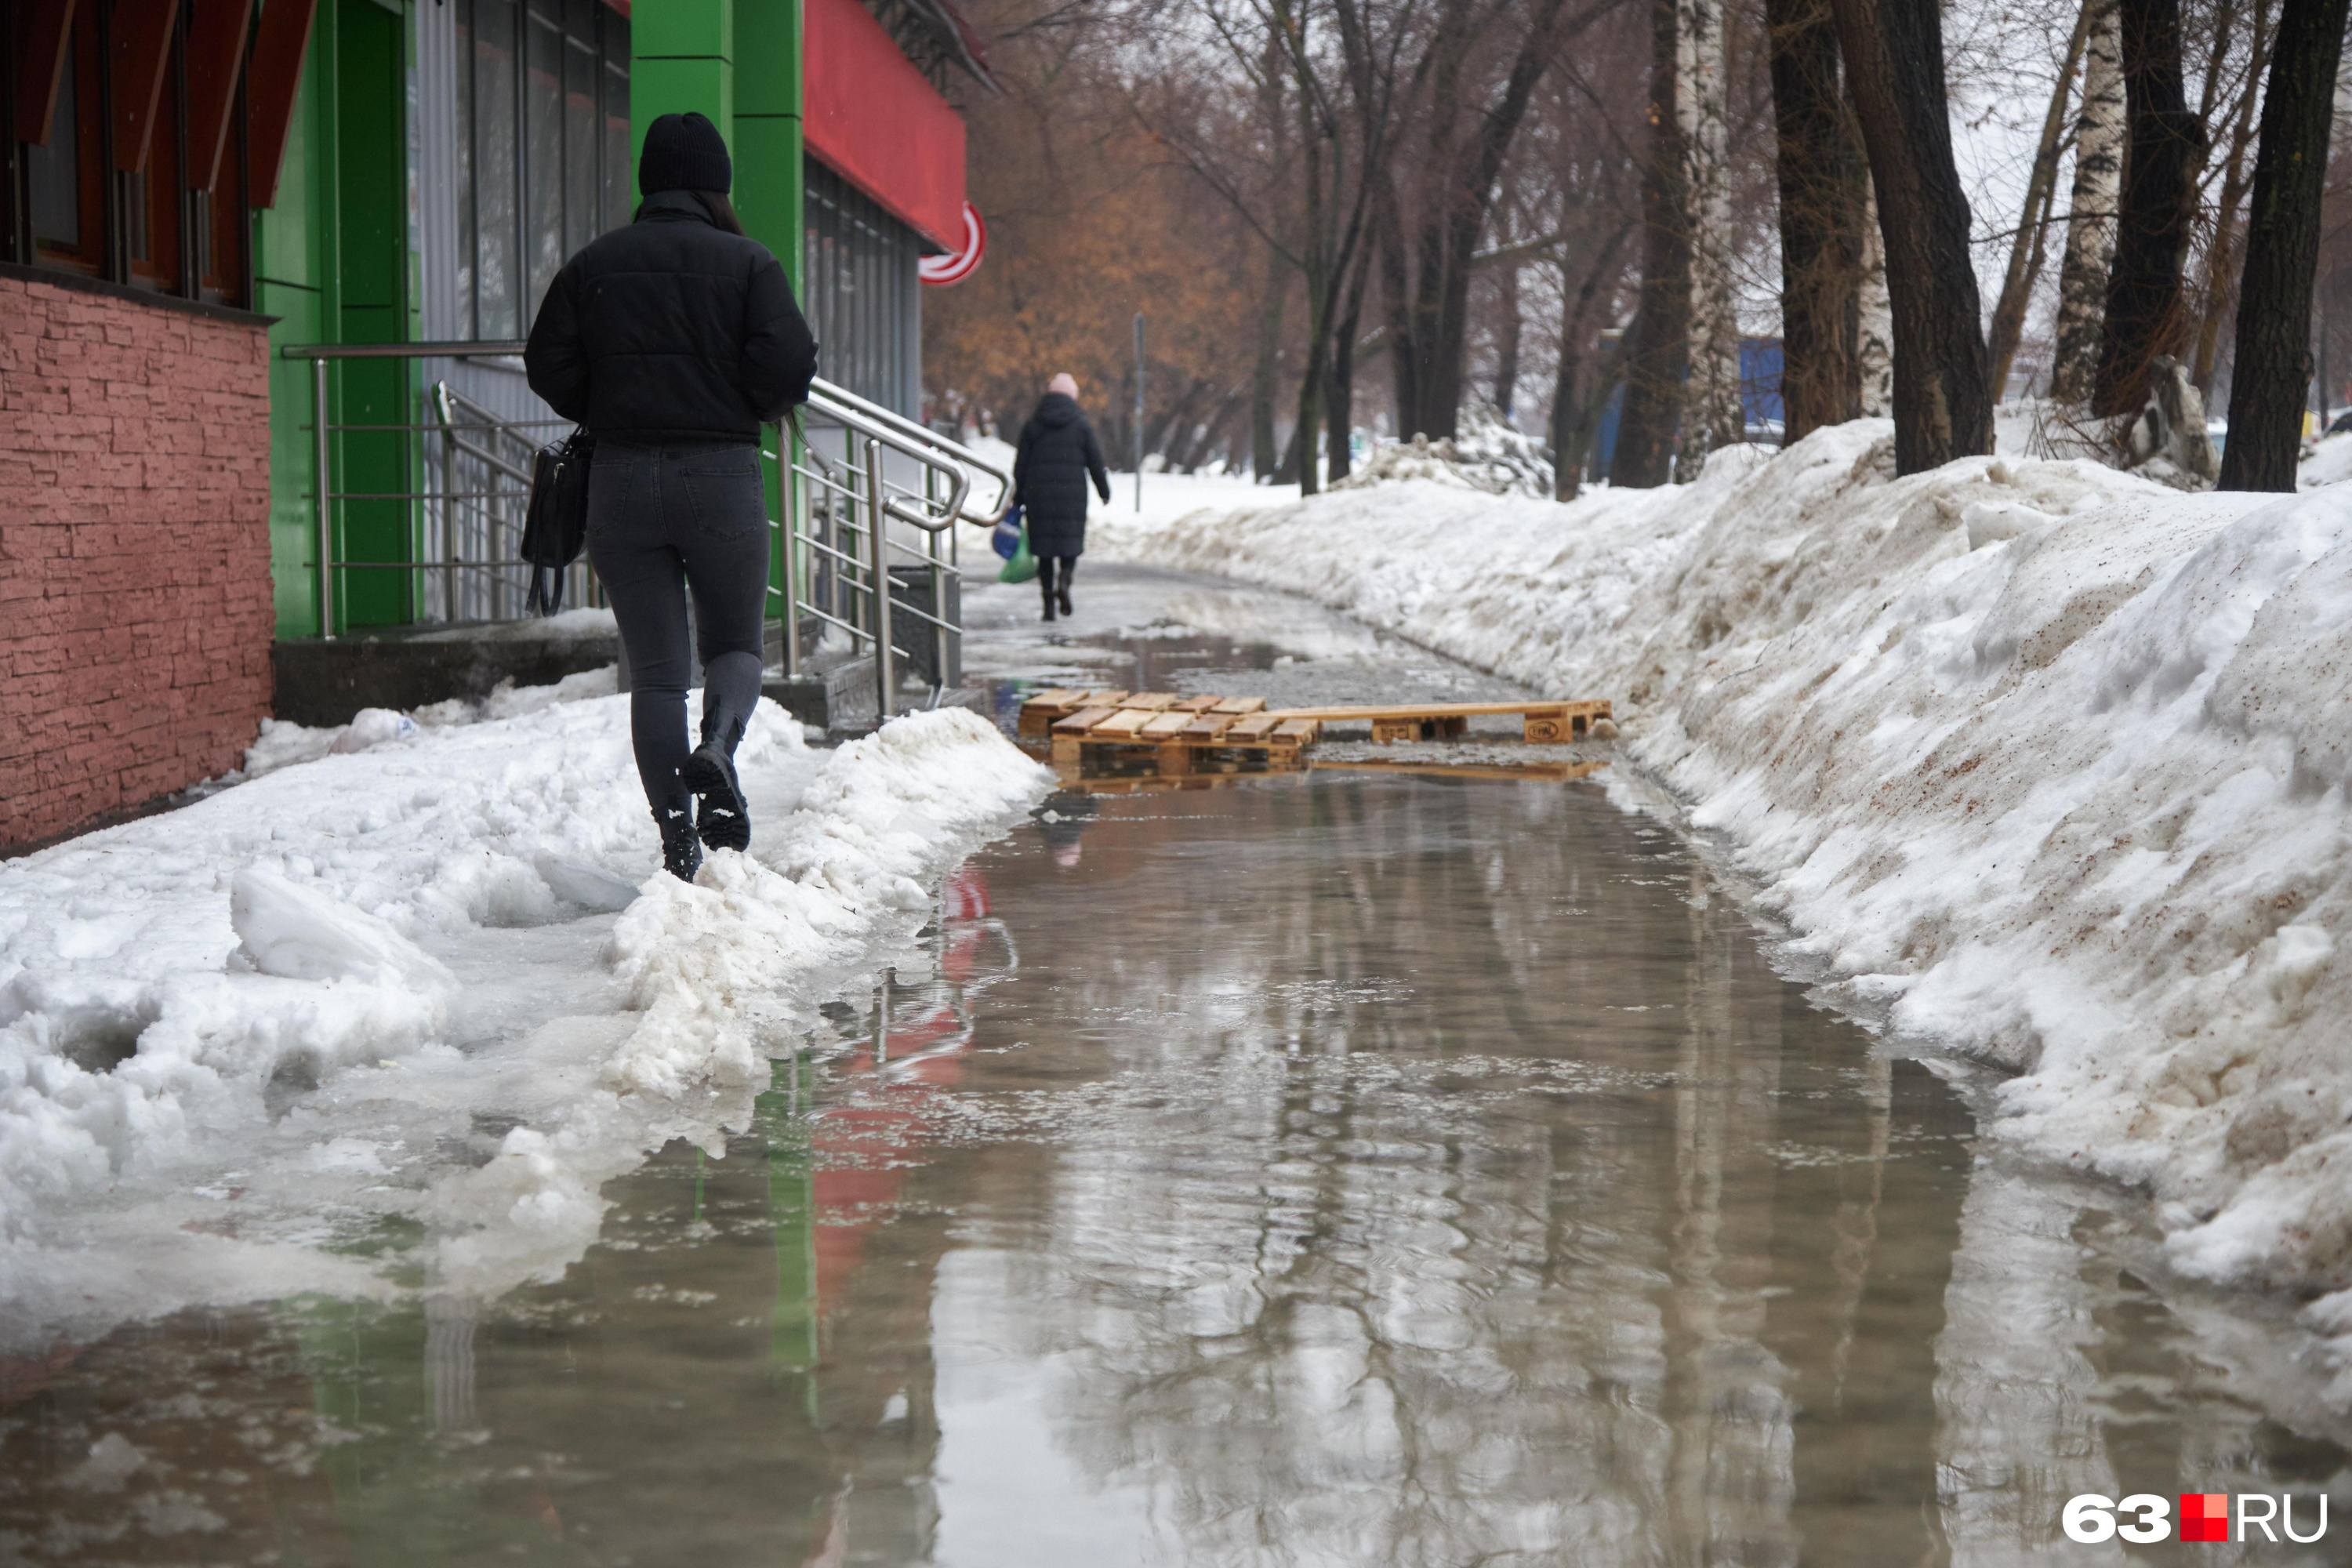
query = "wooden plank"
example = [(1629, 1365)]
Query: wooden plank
[(1198, 704), (1083, 719), (1294, 732), (1104, 697), (1039, 712), (1240, 705), (1208, 726), (1167, 724), (1154, 701), (1365, 711), (1549, 724), (1250, 730), (1125, 724)]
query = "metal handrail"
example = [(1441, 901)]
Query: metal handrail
[(864, 500), (954, 451), (871, 503)]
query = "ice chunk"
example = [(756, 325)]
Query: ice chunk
[(302, 933), (373, 727)]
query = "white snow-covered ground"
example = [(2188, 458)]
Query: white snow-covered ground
[(426, 975), (2047, 763)]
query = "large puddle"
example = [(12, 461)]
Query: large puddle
[(1330, 1168)]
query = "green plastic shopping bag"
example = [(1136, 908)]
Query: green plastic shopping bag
[(1022, 566)]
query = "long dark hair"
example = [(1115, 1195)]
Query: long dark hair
[(715, 202), (721, 210)]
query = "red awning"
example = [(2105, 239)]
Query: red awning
[(874, 120)]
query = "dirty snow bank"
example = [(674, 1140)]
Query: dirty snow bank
[(300, 990), (2051, 761)]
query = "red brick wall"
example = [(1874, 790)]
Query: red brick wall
[(135, 613)]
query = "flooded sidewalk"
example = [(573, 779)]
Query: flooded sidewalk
[(1330, 1168)]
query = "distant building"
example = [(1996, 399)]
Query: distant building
[(192, 186)]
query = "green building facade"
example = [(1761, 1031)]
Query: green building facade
[(445, 157)]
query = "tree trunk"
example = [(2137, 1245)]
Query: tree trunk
[(1874, 311), (1894, 58), (2271, 375), (2145, 314), (2222, 254), (1339, 401), (1713, 414), (2025, 250), (1824, 184), (1264, 458), (1433, 329), (2091, 209), (1659, 340), (1506, 353), (1571, 407)]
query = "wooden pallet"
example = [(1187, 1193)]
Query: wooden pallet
[(1182, 733), (1179, 730), (1540, 719)]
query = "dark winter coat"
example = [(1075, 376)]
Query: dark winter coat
[(1057, 455), (671, 330)]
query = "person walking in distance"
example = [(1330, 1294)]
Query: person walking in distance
[(1057, 455), (672, 341)]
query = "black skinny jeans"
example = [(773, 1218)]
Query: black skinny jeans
[(664, 521)]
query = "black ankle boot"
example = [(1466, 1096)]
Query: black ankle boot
[(1049, 604), (681, 854), (719, 813), (1063, 595)]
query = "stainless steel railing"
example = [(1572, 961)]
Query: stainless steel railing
[(463, 518), (839, 545)]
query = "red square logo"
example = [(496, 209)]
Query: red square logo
[(2204, 1516)]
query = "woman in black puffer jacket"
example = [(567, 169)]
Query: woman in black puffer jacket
[(1057, 455), (672, 341)]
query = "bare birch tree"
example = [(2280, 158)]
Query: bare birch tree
[(1711, 413), (2027, 245), (2091, 207), (1873, 350)]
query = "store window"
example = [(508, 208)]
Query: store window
[(543, 167), (865, 297), (128, 149)]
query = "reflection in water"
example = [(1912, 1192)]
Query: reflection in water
[(1344, 1168)]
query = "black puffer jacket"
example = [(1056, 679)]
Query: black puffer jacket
[(671, 330), (1057, 455)]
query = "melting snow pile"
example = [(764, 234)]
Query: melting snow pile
[(2050, 759), (188, 998)]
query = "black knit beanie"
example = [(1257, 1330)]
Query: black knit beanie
[(684, 152)]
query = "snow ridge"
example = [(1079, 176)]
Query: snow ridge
[(2051, 760), (284, 1001)]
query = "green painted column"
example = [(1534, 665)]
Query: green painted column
[(767, 140), (682, 57), (769, 173)]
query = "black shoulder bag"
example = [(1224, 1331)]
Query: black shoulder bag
[(557, 524)]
